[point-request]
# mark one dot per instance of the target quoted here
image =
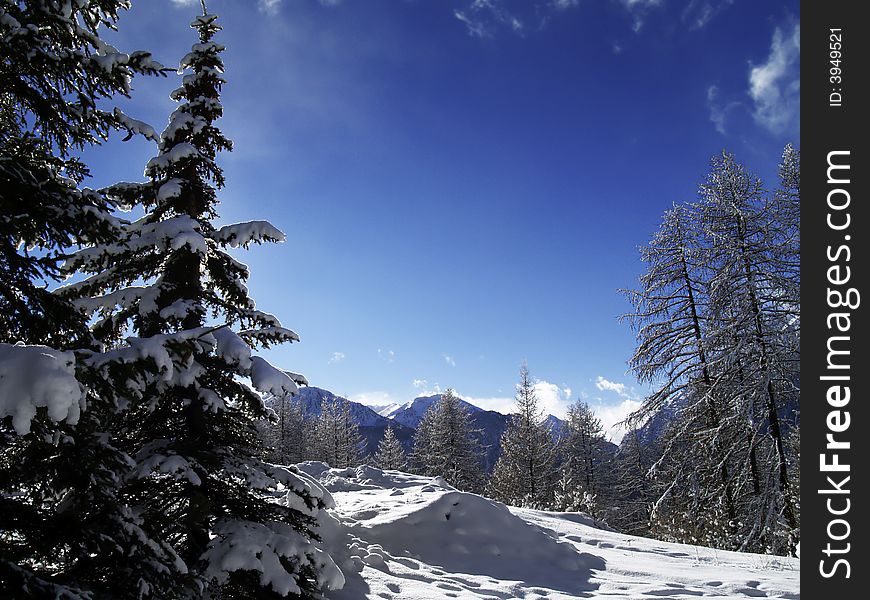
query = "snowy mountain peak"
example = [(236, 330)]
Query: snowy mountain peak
[(411, 413)]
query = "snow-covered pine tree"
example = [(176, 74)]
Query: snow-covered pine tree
[(582, 458), (191, 429), (525, 474), (337, 440), (66, 529), (445, 444), (390, 453)]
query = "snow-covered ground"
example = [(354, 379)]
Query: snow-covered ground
[(412, 537)]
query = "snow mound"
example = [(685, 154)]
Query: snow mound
[(465, 533), (401, 536)]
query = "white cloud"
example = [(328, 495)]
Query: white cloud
[(419, 383), (622, 390), (386, 355), (449, 360), (270, 7), (336, 357), (502, 404), (552, 399), (372, 398), (603, 384), (774, 85), (611, 414)]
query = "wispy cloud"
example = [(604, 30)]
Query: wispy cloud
[(419, 383), (720, 110), (698, 13), (774, 85), (336, 357), (387, 356), (639, 9), (449, 360), (270, 7), (483, 17)]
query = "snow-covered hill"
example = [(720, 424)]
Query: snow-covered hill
[(400, 536)]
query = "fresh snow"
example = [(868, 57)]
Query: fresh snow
[(400, 536), (33, 377)]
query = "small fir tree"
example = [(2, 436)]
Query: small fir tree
[(525, 474), (390, 453)]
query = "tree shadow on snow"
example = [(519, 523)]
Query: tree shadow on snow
[(467, 534)]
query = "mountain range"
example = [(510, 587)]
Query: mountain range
[(373, 421)]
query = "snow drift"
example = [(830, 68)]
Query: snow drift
[(396, 535)]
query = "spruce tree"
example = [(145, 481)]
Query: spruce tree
[(390, 453), (445, 444), (67, 529), (525, 474), (192, 429)]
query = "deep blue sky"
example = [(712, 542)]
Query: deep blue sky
[(464, 184)]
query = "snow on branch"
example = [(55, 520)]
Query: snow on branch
[(242, 234), (270, 380), (32, 377), (135, 127), (266, 548)]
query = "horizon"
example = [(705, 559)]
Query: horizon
[(464, 185)]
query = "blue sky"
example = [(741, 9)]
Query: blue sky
[(464, 183)]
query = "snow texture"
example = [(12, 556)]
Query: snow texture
[(33, 377), (408, 537), (242, 234)]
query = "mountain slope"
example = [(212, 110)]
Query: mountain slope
[(371, 425), (411, 413)]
